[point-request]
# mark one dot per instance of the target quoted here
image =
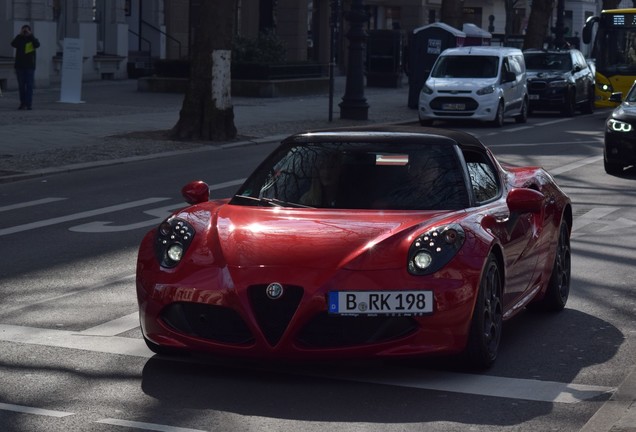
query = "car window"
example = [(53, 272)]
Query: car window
[(459, 66), (548, 61), (483, 176), (359, 176)]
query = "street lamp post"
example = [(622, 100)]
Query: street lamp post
[(354, 105)]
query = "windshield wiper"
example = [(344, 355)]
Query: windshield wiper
[(272, 202)]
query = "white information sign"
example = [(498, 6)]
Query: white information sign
[(71, 88)]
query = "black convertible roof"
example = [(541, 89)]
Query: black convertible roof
[(387, 133)]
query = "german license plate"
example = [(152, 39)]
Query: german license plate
[(453, 106), (533, 97), (380, 302)]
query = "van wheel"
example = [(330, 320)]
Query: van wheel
[(523, 115), (499, 117)]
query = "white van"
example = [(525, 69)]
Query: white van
[(484, 83)]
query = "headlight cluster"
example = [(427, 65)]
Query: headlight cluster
[(486, 90), (434, 249), (173, 238), (604, 87), (426, 89), (618, 126)]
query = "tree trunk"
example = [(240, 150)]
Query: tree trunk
[(509, 7), (537, 29), (452, 13), (207, 112)]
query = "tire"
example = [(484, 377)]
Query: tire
[(612, 168), (558, 291), (523, 116), (588, 105), (570, 105), (487, 320), (498, 121)]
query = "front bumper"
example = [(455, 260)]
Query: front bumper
[(240, 321), (620, 148)]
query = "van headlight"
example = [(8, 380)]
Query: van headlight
[(486, 90), (426, 90)]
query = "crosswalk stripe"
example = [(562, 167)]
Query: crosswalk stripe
[(485, 385), (30, 410)]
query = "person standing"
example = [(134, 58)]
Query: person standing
[(25, 45)]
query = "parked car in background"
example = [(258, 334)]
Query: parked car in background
[(483, 83), (620, 133), (560, 80), (375, 242)]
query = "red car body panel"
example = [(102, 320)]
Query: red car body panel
[(236, 248)]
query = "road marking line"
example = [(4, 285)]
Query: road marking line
[(76, 216), (592, 216), (542, 144), (74, 340), (30, 410), (223, 185), (114, 327), (146, 426), (83, 289), (514, 388), (30, 204), (575, 165), (485, 385), (551, 122)]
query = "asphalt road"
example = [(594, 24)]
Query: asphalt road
[(72, 358)]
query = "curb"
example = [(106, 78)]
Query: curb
[(109, 162)]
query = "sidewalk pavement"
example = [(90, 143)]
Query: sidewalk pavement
[(117, 123)]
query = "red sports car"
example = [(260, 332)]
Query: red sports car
[(376, 242)]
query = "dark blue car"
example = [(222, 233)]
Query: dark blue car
[(559, 80)]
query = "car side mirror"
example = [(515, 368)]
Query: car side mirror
[(509, 76), (524, 200), (196, 192), (616, 97)]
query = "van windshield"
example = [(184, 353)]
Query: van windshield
[(460, 66)]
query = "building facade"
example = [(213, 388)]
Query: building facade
[(118, 36)]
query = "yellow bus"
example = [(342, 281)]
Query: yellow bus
[(613, 51)]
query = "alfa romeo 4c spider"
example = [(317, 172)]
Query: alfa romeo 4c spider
[(382, 242)]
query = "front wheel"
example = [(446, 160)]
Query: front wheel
[(612, 168), (558, 291), (588, 105), (499, 116), (487, 320), (569, 109), (523, 115)]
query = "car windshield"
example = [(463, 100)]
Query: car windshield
[(460, 66), (548, 61), (631, 95), (358, 176)]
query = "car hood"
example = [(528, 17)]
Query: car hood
[(247, 236), (461, 84), (548, 75), (625, 111)]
